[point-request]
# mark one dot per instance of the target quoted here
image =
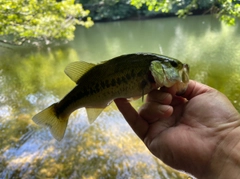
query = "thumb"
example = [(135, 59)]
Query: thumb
[(195, 89)]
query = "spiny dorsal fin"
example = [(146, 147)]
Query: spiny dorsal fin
[(93, 113), (76, 69)]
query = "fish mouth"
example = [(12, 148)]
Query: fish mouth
[(178, 80)]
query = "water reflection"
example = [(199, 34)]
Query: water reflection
[(31, 80)]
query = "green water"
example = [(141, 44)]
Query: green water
[(31, 80)]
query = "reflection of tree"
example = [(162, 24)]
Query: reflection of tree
[(37, 72), (212, 55), (107, 149), (24, 77)]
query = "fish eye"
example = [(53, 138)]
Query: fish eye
[(173, 63)]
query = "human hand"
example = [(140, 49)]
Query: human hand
[(197, 132)]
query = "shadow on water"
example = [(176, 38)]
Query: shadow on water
[(31, 80)]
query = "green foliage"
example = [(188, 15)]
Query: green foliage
[(155, 5), (226, 10), (186, 10), (46, 21), (230, 11), (41, 20), (104, 10)]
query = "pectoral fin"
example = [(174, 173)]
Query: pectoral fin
[(76, 69), (93, 113)]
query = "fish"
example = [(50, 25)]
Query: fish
[(97, 85)]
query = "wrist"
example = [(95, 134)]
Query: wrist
[(225, 162)]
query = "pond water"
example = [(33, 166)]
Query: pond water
[(31, 80)]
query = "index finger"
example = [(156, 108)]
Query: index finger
[(139, 125)]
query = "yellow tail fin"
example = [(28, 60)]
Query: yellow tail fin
[(57, 124)]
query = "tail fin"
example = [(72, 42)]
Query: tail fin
[(48, 118)]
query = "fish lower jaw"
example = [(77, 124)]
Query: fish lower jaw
[(178, 86)]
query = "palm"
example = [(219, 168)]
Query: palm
[(181, 140)]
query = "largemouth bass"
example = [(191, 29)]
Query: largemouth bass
[(126, 76)]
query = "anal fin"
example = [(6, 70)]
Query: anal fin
[(93, 113)]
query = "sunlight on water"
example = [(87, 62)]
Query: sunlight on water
[(31, 80)]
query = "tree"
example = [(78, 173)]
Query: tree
[(109, 10), (40, 21), (226, 10)]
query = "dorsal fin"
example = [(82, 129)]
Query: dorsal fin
[(76, 69)]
